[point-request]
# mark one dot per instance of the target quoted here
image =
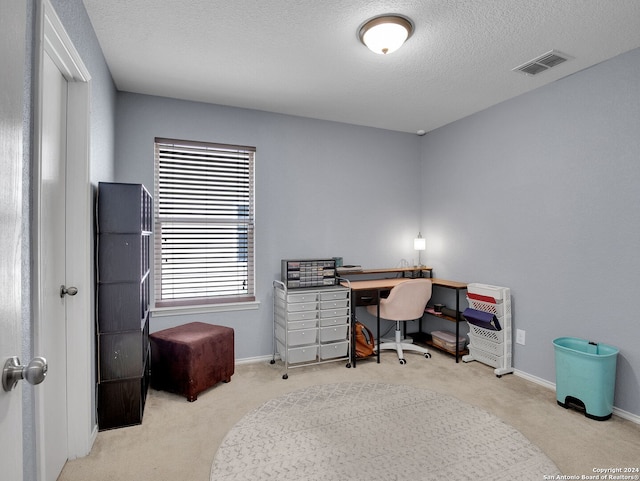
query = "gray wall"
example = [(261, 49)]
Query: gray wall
[(323, 189), (542, 194), (538, 194), (103, 100), (103, 93)]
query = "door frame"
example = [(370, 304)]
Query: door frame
[(52, 39)]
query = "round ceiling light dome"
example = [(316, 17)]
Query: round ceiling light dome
[(386, 33)]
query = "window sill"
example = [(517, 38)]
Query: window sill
[(227, 307)]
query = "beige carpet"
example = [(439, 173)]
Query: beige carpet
[(356, 431), (178, 440)]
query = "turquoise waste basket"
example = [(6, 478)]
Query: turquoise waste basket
[(585, 376)]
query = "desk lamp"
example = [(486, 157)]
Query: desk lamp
[(419, 244)]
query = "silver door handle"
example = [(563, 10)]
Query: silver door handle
[(34, 372), (72, 291)]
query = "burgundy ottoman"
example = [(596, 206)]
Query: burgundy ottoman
[(191, 358)]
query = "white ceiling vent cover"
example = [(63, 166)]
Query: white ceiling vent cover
[(543, 63)]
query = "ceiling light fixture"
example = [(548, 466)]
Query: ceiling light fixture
[(386, 33)]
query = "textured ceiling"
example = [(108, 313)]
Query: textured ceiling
[(303, 57)]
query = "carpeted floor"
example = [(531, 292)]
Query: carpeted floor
[(355, 431), (178, 440)]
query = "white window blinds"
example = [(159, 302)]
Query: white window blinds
[(204, 223)]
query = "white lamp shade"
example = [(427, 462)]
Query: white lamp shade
[(419, 243), (385, 34)]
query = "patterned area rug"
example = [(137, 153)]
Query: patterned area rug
[(375, 431)]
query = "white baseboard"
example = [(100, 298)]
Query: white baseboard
[(94, 435), (254, 360), (535, 379), (626, 415), (542, 382)]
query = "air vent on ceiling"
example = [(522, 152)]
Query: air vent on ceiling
[(543, 63)]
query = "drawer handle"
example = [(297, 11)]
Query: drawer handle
[(366, 298)]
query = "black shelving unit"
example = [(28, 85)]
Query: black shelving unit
[(124, 225)]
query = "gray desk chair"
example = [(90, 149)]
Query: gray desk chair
[(406, 302)]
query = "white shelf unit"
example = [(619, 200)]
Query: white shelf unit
[(311, 325), (487, 346)]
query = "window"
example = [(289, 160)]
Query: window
[(204, 223)]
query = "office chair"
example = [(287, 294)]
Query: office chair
[(406, 302)]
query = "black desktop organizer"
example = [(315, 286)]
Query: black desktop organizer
[(301, 273)]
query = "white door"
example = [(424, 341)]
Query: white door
[(52, 325), (12, 51), (62, 234)]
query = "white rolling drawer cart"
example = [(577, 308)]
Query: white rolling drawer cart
[(311, 325)]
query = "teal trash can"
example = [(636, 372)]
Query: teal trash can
[(585, 376)]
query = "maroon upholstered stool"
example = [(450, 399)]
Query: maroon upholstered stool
[(191, 358)]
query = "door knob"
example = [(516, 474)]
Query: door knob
[(34, 372), (72, 291)]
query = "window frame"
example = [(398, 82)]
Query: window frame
[(244, 222)]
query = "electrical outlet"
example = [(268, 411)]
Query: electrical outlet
[(520, 333)]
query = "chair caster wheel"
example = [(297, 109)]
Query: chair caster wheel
[(403, 361), (285, 376), (273, 361), (427, 355)]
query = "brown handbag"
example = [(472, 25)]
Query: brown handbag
[(365, 344)]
